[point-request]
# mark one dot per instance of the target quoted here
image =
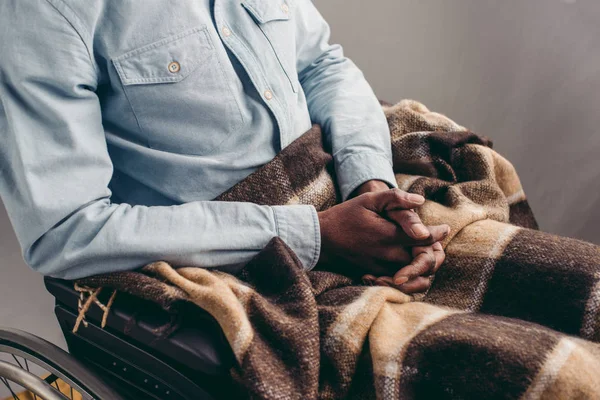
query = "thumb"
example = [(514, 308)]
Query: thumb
[(395, 199)]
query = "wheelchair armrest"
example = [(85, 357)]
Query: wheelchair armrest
[(198, 343)]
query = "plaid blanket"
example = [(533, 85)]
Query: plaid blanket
[(512, 313)]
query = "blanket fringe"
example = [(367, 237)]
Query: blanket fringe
[(87, 296)]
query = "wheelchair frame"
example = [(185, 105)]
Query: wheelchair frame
[(132, 368)]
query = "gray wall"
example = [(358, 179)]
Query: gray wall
[(24, 302), (524, 72)]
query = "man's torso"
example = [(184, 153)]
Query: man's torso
[(195, 94)]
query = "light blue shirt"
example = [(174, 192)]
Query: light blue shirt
[(121, 120)]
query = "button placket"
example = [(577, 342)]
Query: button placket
[(258, 79)]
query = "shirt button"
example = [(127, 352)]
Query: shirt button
[(285, 8), (268, 94), (226, 31), (174, 67)]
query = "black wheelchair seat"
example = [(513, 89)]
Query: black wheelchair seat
[(139, 352)]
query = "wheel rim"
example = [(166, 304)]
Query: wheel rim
[(57, 380), (35, 385)]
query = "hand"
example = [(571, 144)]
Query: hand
[(414, 278), (357, 239), (406, 218)]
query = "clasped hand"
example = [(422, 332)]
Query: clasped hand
[(378, 237)]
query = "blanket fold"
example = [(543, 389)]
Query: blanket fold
[(512, 313)]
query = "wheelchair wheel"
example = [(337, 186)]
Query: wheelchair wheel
[(32, 368)]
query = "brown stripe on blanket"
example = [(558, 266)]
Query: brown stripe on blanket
[(471, 258), (475, 357), (545, 279), (521, 215)]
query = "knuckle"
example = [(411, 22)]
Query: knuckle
[(370, 196)]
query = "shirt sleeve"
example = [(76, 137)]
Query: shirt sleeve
[(55, 170), (343, 103)]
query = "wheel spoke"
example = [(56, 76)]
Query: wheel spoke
[(13, 356), (49, 364), (15, 397)]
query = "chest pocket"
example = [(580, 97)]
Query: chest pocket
[(179, 93), (273, 18)]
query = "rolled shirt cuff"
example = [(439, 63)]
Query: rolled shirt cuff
[(358, 168), (298, 226)]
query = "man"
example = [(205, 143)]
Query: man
[(120, 120)]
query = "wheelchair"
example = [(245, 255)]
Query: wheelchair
[(143, 352)]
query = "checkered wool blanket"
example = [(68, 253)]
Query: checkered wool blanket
[(512, 313)]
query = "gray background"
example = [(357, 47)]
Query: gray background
[(524, 72)]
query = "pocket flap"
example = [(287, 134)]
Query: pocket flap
[(168, 60), (268, 10)]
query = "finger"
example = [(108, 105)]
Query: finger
[(425, 255), (422, 265), (384, 281), (410, 222), (417, 285), (430, 260), (439, 254), (394, 199), (437, 234)]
